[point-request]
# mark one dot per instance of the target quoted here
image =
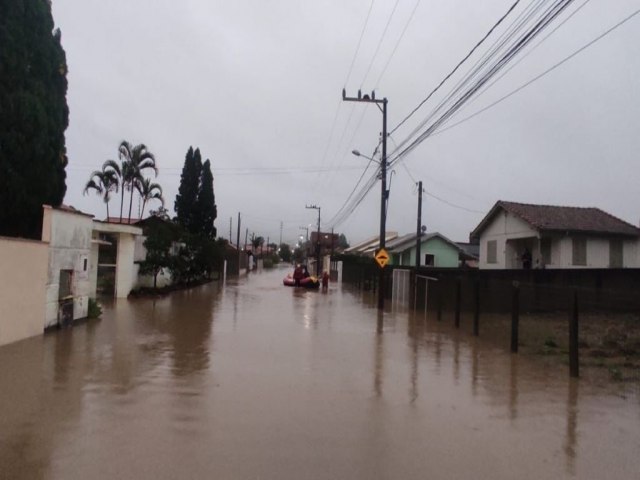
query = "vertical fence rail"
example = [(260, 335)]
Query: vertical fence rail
[(515, 316), (458, 299), (574, 364), (476, 313)]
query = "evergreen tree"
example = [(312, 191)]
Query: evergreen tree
[(187, 197), (33, 115), (206, 209)]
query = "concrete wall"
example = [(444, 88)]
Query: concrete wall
[(69, 238), (23, 279)]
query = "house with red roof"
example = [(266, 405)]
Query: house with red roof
[(518, 235)]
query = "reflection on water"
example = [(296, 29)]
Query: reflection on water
[(255, 380)]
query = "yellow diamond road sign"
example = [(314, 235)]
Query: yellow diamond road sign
[(382, 257)]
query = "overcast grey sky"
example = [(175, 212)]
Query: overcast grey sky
[(257, 85)]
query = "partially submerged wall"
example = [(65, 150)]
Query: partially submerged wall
[(23, 277)]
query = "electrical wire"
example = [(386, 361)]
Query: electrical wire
[(491, 71), (547, 71), (456, 67), (384, 33), (393, 52), (355, 54)]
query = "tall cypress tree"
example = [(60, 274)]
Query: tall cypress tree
[(33, 115), (206, 205), (187, 197)]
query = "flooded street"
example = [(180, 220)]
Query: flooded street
[(259, 381)]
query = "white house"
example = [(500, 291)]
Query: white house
[(555, 237)]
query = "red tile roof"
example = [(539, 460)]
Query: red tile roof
[(565, 219)]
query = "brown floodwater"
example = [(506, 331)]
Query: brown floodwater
[(254, 380)]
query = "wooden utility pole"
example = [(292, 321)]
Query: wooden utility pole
[(419, 226)]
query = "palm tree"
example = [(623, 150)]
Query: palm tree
[(135, 159), (103, 182), (114, 170), (148, 191)]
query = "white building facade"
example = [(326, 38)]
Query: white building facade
[(555, 237)]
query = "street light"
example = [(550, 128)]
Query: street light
[(358, 154)]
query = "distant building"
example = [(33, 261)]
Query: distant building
[(436, 250), (370, 245), (516, 235)]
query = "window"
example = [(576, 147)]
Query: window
[(579, 251), (429, 260), (615, 254), (85, 263), (492, 251)]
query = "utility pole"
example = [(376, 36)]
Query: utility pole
[(384, 193), (238, 245), (280, 235), (230, 228), (315, 207), (419, 226)]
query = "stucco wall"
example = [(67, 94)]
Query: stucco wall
[(503, 226), (69, 238), (597, 253), (126, 270), (444, 254), (23, 279)]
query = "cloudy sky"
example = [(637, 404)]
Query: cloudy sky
[(256, 85)]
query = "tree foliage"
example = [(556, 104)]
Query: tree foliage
[(187, 197), (285, 252), (195, 203), (206, 210), (160, 236), (135, 160), (33, 115)]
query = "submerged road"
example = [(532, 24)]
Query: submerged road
[(253, 380)]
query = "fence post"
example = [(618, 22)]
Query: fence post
[(476, 313), (439, 305), (457, 318), (574, 365), (515, 316)]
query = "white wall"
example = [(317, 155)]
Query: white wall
[(23, 279), (503, 226), (126, 270), (69, 238), (597, 253)]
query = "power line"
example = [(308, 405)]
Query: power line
[(549, 70), (455, 68), (355, 54), (393, 52), (384, 33), (491, 71), (534, 48)]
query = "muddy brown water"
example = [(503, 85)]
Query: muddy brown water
[(254, 380)]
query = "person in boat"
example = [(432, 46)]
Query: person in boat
[(297, 275), (305, 272)]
